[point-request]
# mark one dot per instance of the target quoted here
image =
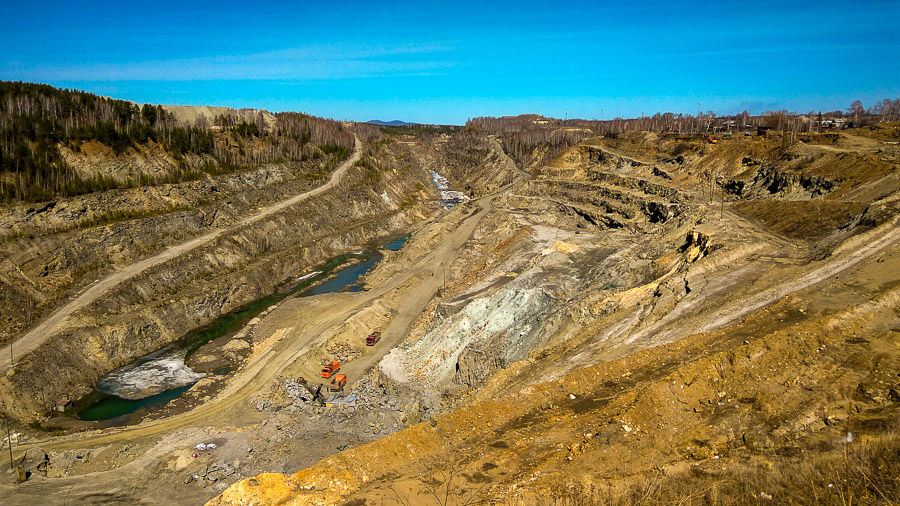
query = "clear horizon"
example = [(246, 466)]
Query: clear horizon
[(450, 62)]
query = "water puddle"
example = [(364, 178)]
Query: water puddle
[(100, 406), (156, 379), (347, 280)]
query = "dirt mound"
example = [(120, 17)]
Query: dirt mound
[(620, 399), (709, 409)]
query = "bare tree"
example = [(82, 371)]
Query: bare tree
[(856, 108)]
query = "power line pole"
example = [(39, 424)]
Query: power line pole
[(722, 204), (12, 464)]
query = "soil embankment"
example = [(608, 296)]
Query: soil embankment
[(616, 331), (630, 319), (144, 305)]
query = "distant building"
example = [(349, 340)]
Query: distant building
[(64, 404)]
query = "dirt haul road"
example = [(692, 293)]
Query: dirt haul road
[(316, 318), (866, 246), (319, 316), (57, 320)]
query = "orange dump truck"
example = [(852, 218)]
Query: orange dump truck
[(331, 368), (337, 383), (373, 338)]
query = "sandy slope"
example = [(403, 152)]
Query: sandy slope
[(57, 320)]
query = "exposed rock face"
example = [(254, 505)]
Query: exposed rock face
[(605, 323), (163, 303), (474, 365), (495, 329), (772, 183)]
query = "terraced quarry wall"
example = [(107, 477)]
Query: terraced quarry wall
[(624, 327), (166, 301), (641, 318)]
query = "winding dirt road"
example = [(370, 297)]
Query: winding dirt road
[(320, 314), (316, 316), (39, 334), (884, 236)]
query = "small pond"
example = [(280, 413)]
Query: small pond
[(155, 379)]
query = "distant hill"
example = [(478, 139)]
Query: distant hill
[(395, 122), (59, 143)]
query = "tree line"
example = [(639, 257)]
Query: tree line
[(37, 121), (530, 138)]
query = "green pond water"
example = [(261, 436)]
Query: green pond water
[(102, 406)]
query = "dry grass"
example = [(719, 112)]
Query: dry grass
[(858, 473), (809, 220)]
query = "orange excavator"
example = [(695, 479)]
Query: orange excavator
[(710, 140)]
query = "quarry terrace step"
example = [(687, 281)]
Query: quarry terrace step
[(644, 212), (614, 199), (593, 214), (635, 183), (601, 155), (631, 184), (624, 191)]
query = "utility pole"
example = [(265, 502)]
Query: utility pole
[(12, 464), (722, 207)]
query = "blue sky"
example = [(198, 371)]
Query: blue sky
[(449, 61)]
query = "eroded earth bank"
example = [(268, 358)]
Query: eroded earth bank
[(611, 318)]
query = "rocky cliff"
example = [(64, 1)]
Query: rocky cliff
[(624, 326), (166, 301)]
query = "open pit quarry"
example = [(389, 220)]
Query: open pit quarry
[(632, 318)]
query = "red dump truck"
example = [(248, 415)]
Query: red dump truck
[(331, 368), (373, 338), (337, 383)]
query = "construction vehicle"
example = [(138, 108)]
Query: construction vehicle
[(373, 338), (710, 140), (315, 392), (331, 368), (337, 383)]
